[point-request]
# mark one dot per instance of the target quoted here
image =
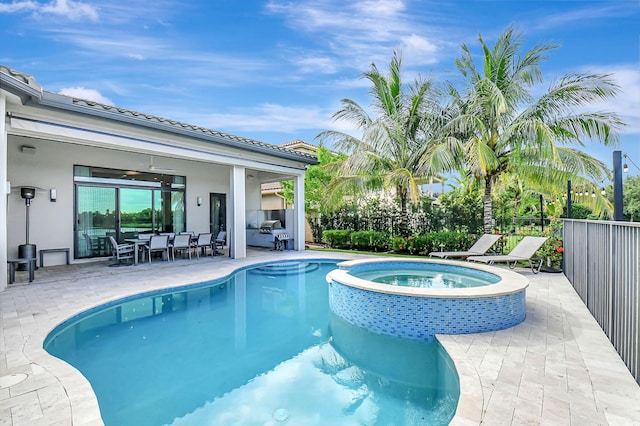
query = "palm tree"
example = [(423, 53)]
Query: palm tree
[(390, 154), (501, 129)]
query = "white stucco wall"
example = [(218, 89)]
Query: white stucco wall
[(51, 223)]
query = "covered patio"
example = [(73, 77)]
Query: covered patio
[(95, 170)]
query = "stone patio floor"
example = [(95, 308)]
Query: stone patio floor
[(555, 368)]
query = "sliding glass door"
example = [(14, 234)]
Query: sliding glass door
[(123, 204), (168, 209), (136, 215), (95, 220), (217, 212)]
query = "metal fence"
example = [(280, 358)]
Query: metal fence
[(602, 262)]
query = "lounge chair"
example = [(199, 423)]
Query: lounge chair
[(523, 251), (480, 247)]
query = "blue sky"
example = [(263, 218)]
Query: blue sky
[(275, 70)]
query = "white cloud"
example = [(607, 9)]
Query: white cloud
[(316, 65), (596, 12), (627, 103), (359, 33), (420, 50), (84, 93), (73, 10), (70, 9), (382, 8), (125, 45), (18, 6), (136, 56), (269, 118)]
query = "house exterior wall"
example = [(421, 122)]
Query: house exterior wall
[(51, 223), (272, 202), (253, 194)]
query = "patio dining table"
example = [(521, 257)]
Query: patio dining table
[(138, 244)]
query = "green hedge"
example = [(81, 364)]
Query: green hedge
[(425, 244), (380, 241), (337, 238), (370, 240)]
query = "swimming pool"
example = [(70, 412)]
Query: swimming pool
[(258, 348)]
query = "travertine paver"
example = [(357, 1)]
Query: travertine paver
[(556, 368)]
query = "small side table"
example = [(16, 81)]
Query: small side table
[(53, 250), (13, 263)]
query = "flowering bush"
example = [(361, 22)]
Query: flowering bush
[(552, 250)]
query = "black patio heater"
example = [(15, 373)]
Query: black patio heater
[(26, 250)]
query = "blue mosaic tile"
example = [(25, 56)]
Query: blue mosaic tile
[(422, 317)]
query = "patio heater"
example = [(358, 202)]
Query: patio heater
[(26, 250)]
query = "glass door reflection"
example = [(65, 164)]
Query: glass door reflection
[(135, 212), (95, 220)]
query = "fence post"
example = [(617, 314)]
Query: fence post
[(611, 286), (617, 185)]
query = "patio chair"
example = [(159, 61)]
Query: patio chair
[(145, 236), (91, 247), (158, 243), (479, 248), (182, 243), (523, 251), (220, 241), (121, 251), (171, 235), (204, 241)]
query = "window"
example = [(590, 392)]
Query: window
[(122, 204)]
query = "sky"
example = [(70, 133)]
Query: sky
[(276, 70)]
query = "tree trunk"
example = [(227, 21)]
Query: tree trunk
[(514, 219), (404, 216), (488, 208)]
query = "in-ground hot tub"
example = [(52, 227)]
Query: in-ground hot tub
[(418, 299)]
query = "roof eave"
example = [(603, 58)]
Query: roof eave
[(53, 100), (19, 88)]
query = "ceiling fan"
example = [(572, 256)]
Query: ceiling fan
[(152, 167)]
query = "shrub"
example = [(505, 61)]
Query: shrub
[(451, 241), (369, 240), (380, 241), (399, 245), (552, 250), (419, 244), (337, 238)]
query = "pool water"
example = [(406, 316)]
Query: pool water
[(259, 348), (423, 275)]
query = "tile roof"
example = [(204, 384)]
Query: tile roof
[(183, 125)]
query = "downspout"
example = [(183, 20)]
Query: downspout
[(284, 199)]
